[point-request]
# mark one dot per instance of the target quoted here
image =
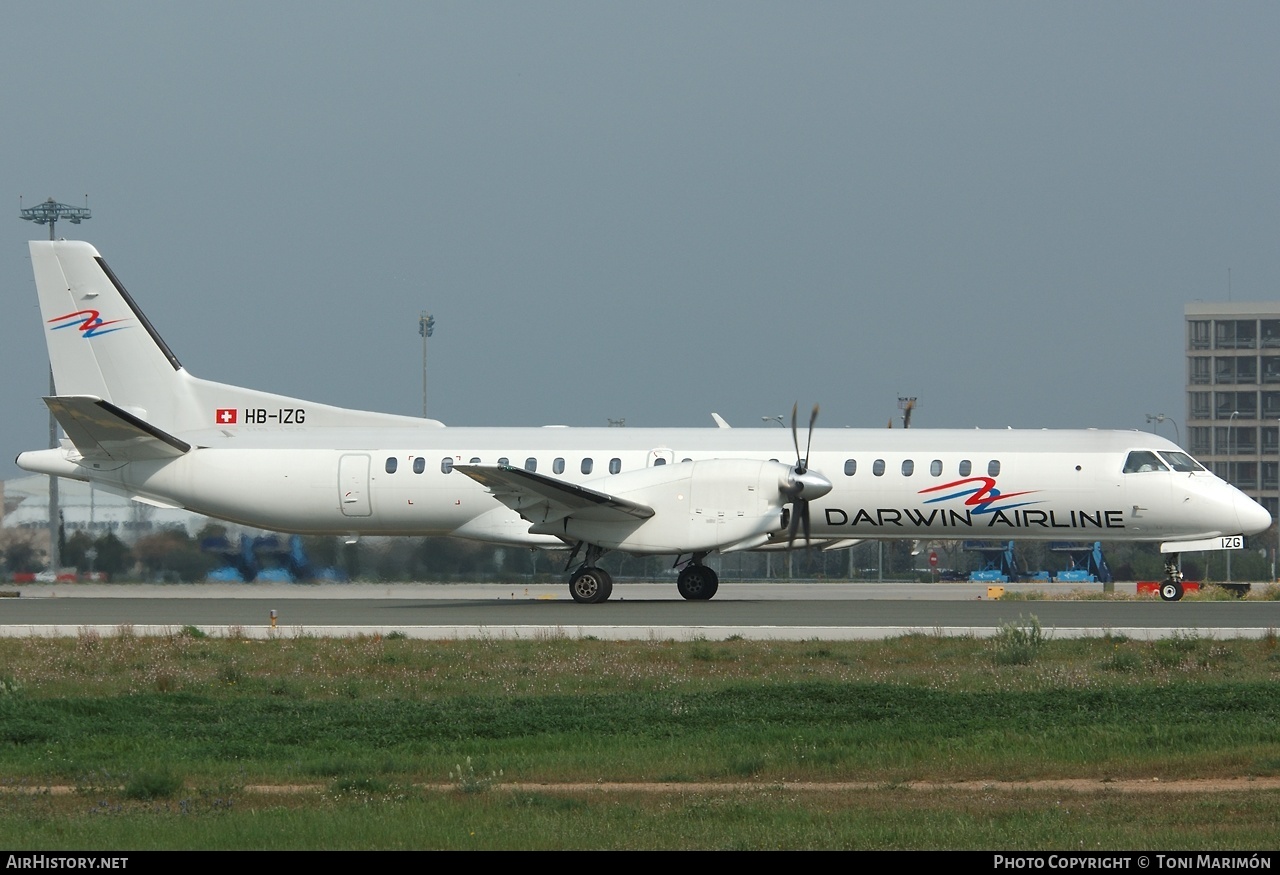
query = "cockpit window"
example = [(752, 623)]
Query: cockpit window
[(1181, 462), (1142, 461)]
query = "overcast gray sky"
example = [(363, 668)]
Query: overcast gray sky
[(655, 210)]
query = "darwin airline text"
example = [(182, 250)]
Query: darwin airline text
[(942, 518)]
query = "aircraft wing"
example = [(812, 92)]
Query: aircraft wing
[(101, 430), (541, 499)]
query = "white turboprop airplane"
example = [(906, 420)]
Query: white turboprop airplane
[(139, 424)]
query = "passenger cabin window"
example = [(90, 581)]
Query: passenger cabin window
[(966, 468), (419, 464), (908, 468), (446, 464), (685, 459), (850, 467), (877, 467), (659, 461), (587, 465), (615, 465), (1181, 462), (531, 464), (391, 464), (935, 468), (504, 461), (1143, 461), (475, 460), (557, 466), (993, 468)]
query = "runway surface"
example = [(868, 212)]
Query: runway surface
[(829, 611)]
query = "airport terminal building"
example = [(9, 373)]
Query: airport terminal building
[(1233, 394)]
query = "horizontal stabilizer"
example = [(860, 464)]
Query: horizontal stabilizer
[(539, 498), (101, 430)]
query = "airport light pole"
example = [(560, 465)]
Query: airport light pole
[(48, 212), (907, 405), (1154, 419), (426, 327)]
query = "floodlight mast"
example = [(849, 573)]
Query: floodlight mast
[(48, 212)]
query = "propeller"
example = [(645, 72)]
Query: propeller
[(802, 485)]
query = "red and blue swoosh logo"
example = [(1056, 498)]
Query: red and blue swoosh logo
[(979, 493), (89, 323)]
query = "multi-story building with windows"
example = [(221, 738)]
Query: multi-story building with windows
[(1233, 394)]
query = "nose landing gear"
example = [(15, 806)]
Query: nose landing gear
[(1171, 589)]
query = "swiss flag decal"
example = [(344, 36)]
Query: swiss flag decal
[(226, 416)]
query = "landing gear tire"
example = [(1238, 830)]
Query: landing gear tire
[(697, 583), (590, 585), (1171, 591)]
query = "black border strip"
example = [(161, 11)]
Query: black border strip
[(141, 424), (146, 323)]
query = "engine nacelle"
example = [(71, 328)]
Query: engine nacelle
[(698, 507)]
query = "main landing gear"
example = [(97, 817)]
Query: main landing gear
[(1171, 589), (590, 584), (696, 581)]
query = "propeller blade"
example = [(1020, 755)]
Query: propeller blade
[(795, 437), (813, 417)]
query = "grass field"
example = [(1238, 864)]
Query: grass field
[(193, 742)]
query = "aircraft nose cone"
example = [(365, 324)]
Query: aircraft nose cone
[(1253, 516)]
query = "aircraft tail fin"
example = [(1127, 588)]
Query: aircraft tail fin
[(99, 342), (102, 346)]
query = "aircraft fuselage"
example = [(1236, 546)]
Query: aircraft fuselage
[(1046, 485)]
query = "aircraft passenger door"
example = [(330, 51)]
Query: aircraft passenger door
[(353, 485), (661, 456)]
